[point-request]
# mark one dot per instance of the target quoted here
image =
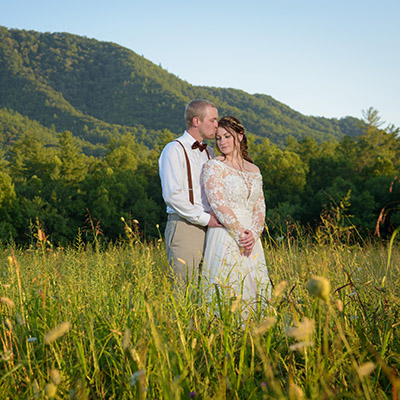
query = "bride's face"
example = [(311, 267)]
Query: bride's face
[(226, 142)]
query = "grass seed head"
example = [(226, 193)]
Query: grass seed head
[(51, 390), (320, 287), (126, 340), (299, 346), (8, 302), (303, 331), (295, 392), (9, 324), (265, 325), (55, 376), (365, 369), (57, 332), (236, 303), (279, 289)]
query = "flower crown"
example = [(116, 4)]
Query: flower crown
[(235, 124)]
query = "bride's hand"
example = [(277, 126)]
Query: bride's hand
[(246, 252), (247, 241)]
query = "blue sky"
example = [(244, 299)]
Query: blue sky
[(323, 58)]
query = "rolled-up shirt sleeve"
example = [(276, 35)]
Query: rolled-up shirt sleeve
[(174, 184)]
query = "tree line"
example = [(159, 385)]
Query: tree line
[(70, 193)]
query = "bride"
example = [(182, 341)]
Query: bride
[(234, 258)]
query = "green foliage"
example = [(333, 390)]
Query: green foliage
[(284, 174)]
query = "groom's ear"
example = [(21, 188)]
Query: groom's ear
[(196, 121)]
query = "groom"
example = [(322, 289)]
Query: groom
[(189, 213)]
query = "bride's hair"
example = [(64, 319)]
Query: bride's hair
[(232, 124)]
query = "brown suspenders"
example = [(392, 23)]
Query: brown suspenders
[(189, 171)]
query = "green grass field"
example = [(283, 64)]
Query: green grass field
[(93, 322)]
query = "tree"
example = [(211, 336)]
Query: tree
[(284, 174), (74, 164)]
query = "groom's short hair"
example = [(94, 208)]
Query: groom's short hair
[(196, 108)]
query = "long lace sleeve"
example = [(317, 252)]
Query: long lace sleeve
[(213, 177), (257, 225)]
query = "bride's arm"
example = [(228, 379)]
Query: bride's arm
[(213, 186), (258, 219)]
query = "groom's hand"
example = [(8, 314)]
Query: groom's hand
[(213, 222)]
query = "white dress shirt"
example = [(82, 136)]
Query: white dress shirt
[(174, 180)]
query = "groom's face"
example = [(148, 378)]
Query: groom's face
[(209, 124)]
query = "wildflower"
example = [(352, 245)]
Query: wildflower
[(339, 305), (192, 395), (181, 261), (135, 221), (122, 219), (365, 369), (320, 287), (10, 261), (303, 330), (57, 332), (32, 339), (136, 376)]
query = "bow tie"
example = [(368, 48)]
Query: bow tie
[(200, 146)]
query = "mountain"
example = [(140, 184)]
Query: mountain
[(100, 90)]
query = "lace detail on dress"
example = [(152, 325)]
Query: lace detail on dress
[(236, 197)]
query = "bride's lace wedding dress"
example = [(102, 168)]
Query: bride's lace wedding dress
[(237, 199)]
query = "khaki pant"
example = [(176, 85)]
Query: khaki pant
[(185, 247)]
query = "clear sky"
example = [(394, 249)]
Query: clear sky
[(319, 57)]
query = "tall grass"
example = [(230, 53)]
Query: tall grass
[(91, 323)]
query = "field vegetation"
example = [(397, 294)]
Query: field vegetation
[(102, 321)]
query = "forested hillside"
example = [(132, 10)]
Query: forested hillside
[(99, 90), (83, 122)]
